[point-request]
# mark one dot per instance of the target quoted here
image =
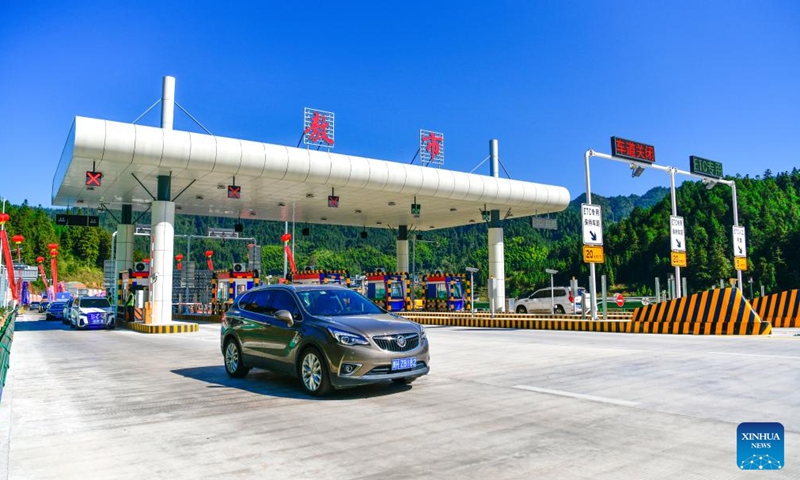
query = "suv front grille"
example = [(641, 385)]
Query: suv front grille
[(390, 343)]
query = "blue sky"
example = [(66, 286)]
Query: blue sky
[(718, 79)]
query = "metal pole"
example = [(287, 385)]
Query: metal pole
[(593, 276), (293, 205), (414, 271), (472, 294), (552, 296), (658, 290), (167, 102), (114, 275), (605, 297), (188, 262), (675, 213), (736, 222)]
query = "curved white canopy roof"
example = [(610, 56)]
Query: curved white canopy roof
[(273, 178)]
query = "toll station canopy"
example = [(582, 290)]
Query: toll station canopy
[(273, 180)]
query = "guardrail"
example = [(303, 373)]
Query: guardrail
[(6, 336)]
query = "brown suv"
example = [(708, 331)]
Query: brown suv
[(328, 336)]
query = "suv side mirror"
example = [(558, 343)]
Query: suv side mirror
[(285, 316)]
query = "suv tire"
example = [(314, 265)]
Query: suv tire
[(521, 309), (233, 359), (313, 373)]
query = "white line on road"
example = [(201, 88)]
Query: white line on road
[(751, 355), (580, 396)]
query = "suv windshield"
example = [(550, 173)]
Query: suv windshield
[(336, 302), (94, 303)]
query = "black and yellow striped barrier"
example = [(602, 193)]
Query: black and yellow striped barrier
[(782, 309), (516, 321), (156, 328), (713, 312)]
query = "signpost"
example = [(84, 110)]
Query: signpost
[(740, 264), (592, 222), (619, 299), (431, 147), (543, 223), (593, 254), (77, 220), (739, 243), (677, 236), (678, 259), (739, 250), (641, 152), (318, 128), (705, 167)]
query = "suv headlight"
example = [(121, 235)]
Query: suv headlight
[(347, 338), (422, 335)]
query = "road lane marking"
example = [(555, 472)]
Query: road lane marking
[(579, 396), (751, 355)]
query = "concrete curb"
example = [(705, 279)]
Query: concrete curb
[(161, 329)]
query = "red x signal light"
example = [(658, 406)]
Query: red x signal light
[(234, 191), (93, 179)]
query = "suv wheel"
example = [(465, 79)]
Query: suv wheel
[(233, 359), (559, 310), (522, 309), (314, 373)]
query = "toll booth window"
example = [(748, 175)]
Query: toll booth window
[(457, 292), (282, 300), (380, 291), (397, 290), (441, 291), (222, 291)]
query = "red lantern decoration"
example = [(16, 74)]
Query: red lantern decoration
[(52, 246), (39, 259), (209, 253), (4, 217), (179, 259), (286, 237), (54, 253), (18, 239)]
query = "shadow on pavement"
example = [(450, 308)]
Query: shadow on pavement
[(263, 382), (25, 325)]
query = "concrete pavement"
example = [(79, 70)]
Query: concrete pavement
[(498, 403)]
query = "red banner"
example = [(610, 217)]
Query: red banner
[(290, 256), (54, 273), (210, 264), (9, 264), (44, 279)]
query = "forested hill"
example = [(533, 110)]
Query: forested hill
[(636, 240)]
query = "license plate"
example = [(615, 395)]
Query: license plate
[(404, 363)]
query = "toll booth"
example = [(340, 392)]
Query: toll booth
[(227, 285), (137, 281), (391, 291), (320, 277), (446, 292)]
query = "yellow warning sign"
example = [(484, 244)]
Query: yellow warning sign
[(740, 263), (593, 254), (678, 259)]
